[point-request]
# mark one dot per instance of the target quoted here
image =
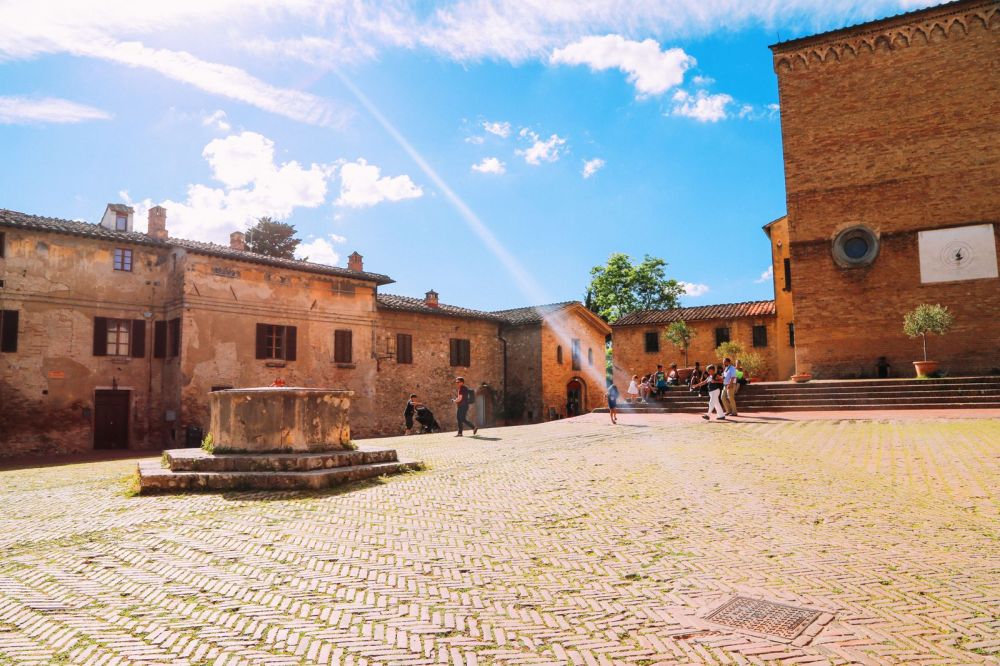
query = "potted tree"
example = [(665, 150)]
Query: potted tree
[(920, 321), (679, 334)]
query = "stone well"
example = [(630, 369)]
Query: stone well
[(280, 420)]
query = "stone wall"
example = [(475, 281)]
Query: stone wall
[(431, 375), (891, 125), (559, 330), (524, 371)]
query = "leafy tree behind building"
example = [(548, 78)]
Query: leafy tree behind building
[(622, 286), (272, 238)]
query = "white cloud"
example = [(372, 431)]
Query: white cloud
[(217, 119), (501, 129), (702, 106), (590, 167), (540, 151), (475, 140), (490, 165), (23, 110), (694, 289), (253, 186), (702, 80), (320, 250), (649, 69), (361, 185), (766, 276)]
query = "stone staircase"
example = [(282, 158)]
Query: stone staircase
[(826, 395), (194, 469)]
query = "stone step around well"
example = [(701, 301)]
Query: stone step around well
[(154, 478), (197, 460)]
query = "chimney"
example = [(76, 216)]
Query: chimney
[(237, 241), (355, 263), (157, 227), (431, 299)]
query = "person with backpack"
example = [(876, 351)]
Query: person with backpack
[(462, 402)]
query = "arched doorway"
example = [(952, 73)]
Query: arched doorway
[(576, 397)]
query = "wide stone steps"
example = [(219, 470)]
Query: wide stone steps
[(156, 478), (947, 393)]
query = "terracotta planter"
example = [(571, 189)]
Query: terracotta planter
[(926, 368), (801, 378)]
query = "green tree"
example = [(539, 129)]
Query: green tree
[(620, 287), (730, 350), (926, 318), (679, 334), (274, 239)]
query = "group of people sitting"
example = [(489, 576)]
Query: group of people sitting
[(654, 384)]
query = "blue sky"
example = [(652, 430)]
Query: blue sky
[(492, 150)]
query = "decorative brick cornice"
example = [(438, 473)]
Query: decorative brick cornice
[(936, 24)]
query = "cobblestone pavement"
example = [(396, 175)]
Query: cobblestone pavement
[(574, 542)]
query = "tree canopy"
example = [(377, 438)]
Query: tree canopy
[(272, 238), (621, 286), (679, 334)]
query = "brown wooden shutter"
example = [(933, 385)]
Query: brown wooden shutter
[(100, 336), (404, 348), (137, 341), (8, 330), (453, 351), (159, 339), (261, 340), (290, 343), (466, 353), (343, 343), (174, 337)]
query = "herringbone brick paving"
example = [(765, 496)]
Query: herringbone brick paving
[(574, 542)]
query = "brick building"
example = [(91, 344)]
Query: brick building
[(555, 360), (892, 170), (639, 345), (113, 338)]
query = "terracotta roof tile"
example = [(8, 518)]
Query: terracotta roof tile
[(410, 304), (721, 311), (10, 218)]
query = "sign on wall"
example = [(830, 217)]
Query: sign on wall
[(960, 253)]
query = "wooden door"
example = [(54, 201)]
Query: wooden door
[(111, 419)]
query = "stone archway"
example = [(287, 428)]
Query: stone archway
[(576, 397)]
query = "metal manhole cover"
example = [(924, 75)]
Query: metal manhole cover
[(764, 617)]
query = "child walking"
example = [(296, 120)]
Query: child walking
[(713, 381)]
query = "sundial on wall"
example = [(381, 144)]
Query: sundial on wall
[(959, 253)]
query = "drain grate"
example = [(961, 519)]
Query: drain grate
[(763, 617)]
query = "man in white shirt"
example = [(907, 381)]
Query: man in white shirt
[(729, 387)]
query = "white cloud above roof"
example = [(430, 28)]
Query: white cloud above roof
[(650, 70), (362, 185)]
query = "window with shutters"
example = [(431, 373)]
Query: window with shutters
[(575, 354), (8, 331), (167, 338), (276, 342), (343, 343), (760, 336), (559, 354), (404, 348), (652, 342), (461, 352), (123, 259), (119, 337), (721, 335)]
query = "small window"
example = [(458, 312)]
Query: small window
[(119, 337), (575, 354), (652, 342), (404, 348), (123, 259), (721, 335), (855, 247), (791, 335), (559, 354), (121, 222), (590, 356), (760, 336), (2, 244), (8, 331), (788, 274), (343, 346), (461, 352), (276, 342)]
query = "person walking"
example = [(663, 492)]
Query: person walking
[(613, 403), (729, 387), (462, 403), (713, 383), (633, 389)]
